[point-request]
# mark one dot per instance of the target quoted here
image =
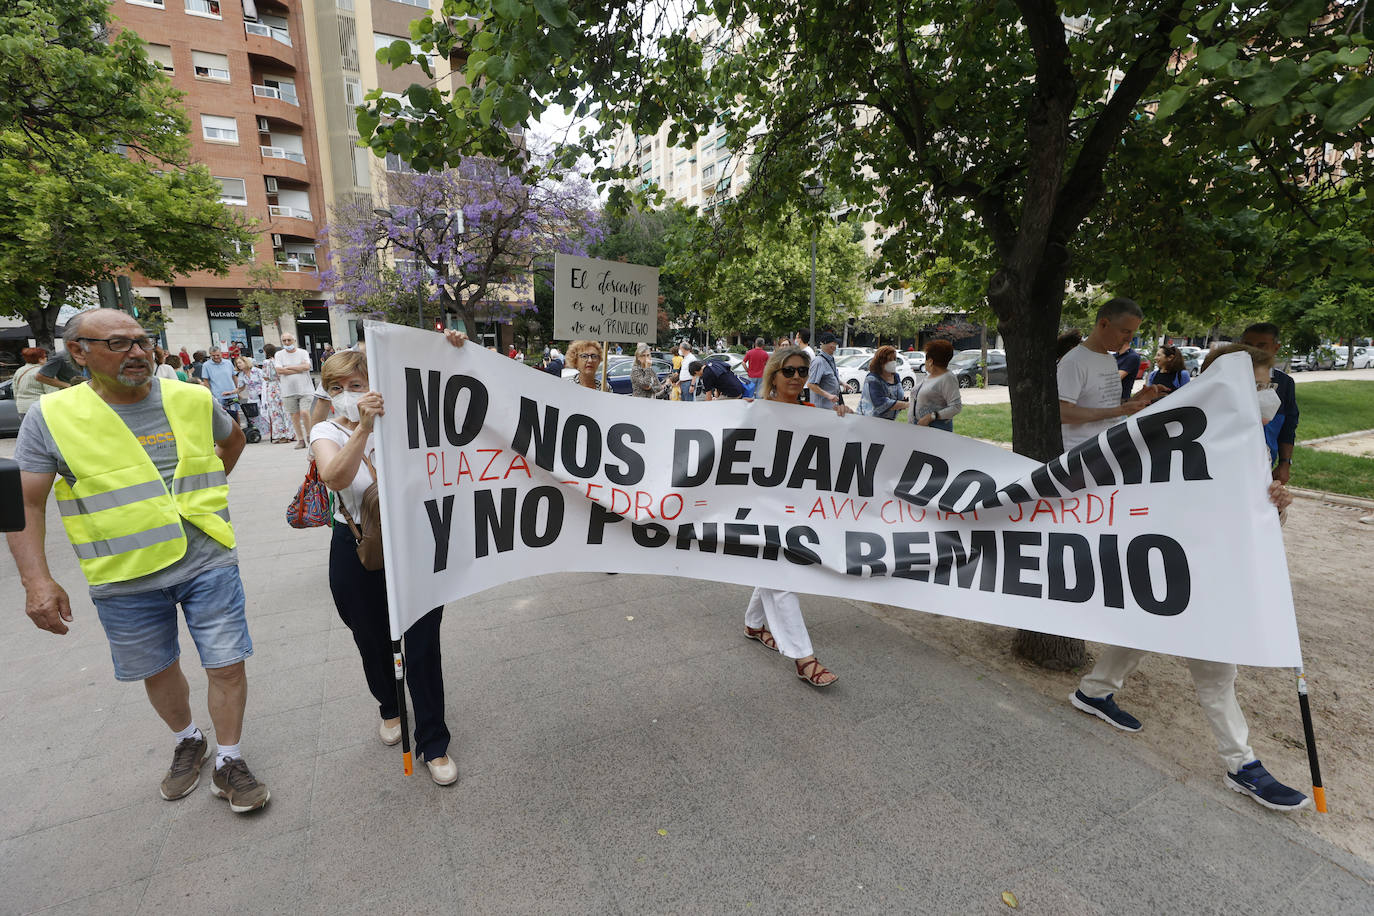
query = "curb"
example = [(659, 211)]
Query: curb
[(1308, 443), (1336, 499)]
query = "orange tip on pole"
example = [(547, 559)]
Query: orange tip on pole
[(410, 766), (1319, 796)]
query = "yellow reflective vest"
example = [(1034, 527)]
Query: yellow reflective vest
[(119, 516)]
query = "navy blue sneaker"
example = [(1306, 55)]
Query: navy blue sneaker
[(1106, 710), (1254, 780)]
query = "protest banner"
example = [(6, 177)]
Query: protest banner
[(604, 300), (1158, 534)]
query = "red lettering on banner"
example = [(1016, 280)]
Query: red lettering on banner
[(1042, 506), (663, 507), (644, 502), (518, 464), (431, 466), (855, 509), (629, 503), (495, 453), (463, 468), (818, 507), (1065, 510)]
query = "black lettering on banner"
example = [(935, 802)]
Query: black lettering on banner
[(1043, 483), (528, 429), (863, 552), (735, 533), (706, 540), (1015, 563), (916, 465), (906, 563), (597, 521), (491, 525), (1012, 493), (732, 451), (440, 525), (581, 426), (618, 439), (858, 462), (1127, 455), (987, 490), (1080, 553), (1192, 423), (797, 550), (813, 464), (689, 442), (1109, 560), (1095, 460), (773, 477), (422, 407), (982, 550), (1177, 579), (651, 534), (460, 434), (772, 542), (552, 499)]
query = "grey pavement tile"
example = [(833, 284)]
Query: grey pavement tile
[(264, 876), (280, 739), (685, 874), (118, 772), (1039, 892), (396, 852), (273, 652), (282, 689), (348, 721), (36, 869), (343, 677), (359, 780), (1327, 890), (124, 900)]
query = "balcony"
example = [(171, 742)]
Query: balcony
[(284, 163), (279, 212), (279, 104), (294, 262), (270, 42)]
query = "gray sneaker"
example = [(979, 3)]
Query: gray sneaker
[(235, 783), (183, 777)]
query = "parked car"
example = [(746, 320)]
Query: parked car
[(853, 351), (619, 368), (9, 411), (1364, 357), (1320, 358), (965, 367), (853, 369), (1192, 358)]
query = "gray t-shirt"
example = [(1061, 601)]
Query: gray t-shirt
[(36, 451), (823, 374)]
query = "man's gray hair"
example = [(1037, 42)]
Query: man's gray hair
[(72, 331), (1113, 309)]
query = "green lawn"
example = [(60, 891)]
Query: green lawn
[(1327, 409)]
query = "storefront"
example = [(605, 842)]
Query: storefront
[(226, 327), (312, 330)]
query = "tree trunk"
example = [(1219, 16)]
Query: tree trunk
[(1029, 320), (43, 319)]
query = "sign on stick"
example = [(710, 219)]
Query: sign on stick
[(604, 300)]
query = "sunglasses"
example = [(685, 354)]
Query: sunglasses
[(792, 371)]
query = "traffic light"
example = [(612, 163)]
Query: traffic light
[(126, 295)]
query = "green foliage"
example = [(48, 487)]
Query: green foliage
[(86, 121), (266, 303), (1333, 472), (1321, 286), (649, 237), (1333, 408)]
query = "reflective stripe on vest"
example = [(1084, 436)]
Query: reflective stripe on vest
[(120, 517)]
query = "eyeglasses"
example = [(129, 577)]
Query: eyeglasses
[(589, 356), (791, 371), (122, 344)]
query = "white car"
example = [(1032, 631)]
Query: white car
[(853, 370), (1364, 357), (853, 351)]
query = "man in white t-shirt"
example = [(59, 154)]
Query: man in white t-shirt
[(1089, 383), (684, 377), (293, 369)]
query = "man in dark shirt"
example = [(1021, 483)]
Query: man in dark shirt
[(715, 380), (1280, 432), (1128, 367), (59, 372)]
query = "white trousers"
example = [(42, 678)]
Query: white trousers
[(1216, 691), (781, 611)]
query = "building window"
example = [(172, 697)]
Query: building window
[(397, 165), (238, 248), (161, 56), (896, 295), (207, 8), (224, 130), (353, 91), (362, 174), (210, 66), (422, 4), (381, 40), (233, 191), (344, 4), (708, 172), (155, 4)]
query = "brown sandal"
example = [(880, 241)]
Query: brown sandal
[(814, 673), (762, 635)]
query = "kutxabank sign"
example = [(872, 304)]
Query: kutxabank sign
[(604, 300), (492, 472)]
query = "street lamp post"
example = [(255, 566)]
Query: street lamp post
[(815, 190)]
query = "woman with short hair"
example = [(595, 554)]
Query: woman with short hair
[(937, 399), (882, 389), (27, 388), (644, 382), (343, 446), (585, 357)]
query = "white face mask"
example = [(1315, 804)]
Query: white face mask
[(1269, 404), (890, 366), (290, 348), (346, 403)]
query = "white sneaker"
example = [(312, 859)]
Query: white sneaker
[(443, 770), (390, 734)]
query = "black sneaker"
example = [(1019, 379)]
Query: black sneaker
[(184, 775), (1254, 780), (1106, 710), (235, 783)]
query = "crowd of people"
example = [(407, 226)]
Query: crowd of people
[(148, 514)]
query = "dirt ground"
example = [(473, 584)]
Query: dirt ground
[(1361, 446), (1329, 560)]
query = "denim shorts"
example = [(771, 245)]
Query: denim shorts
[(142, 628)]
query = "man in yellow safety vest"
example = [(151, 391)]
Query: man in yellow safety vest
[(139, 465)]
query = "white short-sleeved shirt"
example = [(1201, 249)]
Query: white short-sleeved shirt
[(1088, 379), (683, 375), (352, 497), (297, 383)]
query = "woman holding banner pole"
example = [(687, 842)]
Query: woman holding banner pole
[(774, 617), (343, 447)]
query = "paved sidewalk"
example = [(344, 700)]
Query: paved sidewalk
[(623, 749)]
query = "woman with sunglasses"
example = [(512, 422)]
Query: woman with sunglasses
[(774, 617)]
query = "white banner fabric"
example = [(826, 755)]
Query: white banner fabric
[(1156, 535)]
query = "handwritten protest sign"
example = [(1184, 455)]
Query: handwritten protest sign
[(1157, 534), (604, 300)]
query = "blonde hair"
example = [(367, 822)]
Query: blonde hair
[(775, 361), (341, 366), (1260, 359), (573, 357)]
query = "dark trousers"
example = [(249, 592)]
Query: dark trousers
[(360, 597)]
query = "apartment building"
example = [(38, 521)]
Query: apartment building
[(242, 66)]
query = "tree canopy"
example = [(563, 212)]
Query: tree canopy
[(94, 164)]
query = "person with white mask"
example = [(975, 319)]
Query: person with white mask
[(293, 373), (343, 447), (1215, 681)]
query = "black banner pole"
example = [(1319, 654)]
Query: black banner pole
[(1318, 792), (398, 658)]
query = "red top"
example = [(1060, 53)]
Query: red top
[(754, 361)]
